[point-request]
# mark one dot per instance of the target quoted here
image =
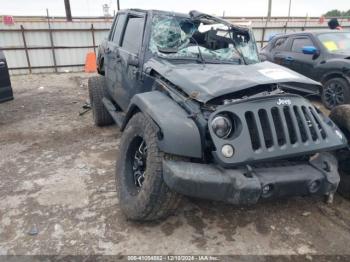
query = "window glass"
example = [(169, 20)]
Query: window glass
[(336, 42), (299, 43), (118, 29), (280, 43), (133, 34)]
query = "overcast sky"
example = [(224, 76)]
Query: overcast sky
[(217, 7)]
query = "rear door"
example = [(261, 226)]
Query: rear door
[(129, 65), (112, 59), (5, 83), (278, 50)]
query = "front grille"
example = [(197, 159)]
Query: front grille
[(281, 126)]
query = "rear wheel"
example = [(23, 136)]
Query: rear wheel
[(143, 194), (341, 117), (97, 90), (101, 67), (335, 92)]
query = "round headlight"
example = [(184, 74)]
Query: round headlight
[(221, 126)]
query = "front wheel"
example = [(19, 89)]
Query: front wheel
[(340, 115), (335, 92), (143, 194)]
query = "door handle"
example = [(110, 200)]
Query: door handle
[(2, 63), (289, 59)]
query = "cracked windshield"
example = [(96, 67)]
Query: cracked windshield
[(206, 41)]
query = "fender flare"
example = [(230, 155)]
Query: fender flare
[(179, 133)]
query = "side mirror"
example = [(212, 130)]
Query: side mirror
[(133, 60), (309, 50)]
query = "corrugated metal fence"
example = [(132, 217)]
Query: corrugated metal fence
[(39, 45), (57, 46)]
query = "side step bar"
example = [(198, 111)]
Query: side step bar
[(118, 116)]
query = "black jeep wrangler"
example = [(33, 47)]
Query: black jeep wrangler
[(202, 116)]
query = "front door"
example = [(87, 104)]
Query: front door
[(297, 60)]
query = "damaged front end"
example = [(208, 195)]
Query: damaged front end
[(270, 145), (258, 142), (266, 145)]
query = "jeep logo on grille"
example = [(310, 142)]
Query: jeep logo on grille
[(284, 102)]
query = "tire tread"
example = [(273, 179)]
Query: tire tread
[(97, 91)]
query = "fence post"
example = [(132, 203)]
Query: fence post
[(304, 27), (263, 34), (26, 49), (51, 41), (93, 37)]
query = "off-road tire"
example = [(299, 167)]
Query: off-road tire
[(154, 199), (341, 82), (97, 90), (340, 115)]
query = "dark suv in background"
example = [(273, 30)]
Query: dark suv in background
[(5, 83), (321, 55)]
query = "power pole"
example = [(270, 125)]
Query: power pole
[(269, 10), (290, 4), (68, 12), (285, 27), (118, 5)]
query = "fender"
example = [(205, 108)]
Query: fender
[(334, 68), (180, 135)]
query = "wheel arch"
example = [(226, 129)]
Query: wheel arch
[(334, 75), (177, 134)]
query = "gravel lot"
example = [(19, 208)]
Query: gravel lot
[(57, 192)]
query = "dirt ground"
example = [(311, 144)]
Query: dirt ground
[(57, 192)]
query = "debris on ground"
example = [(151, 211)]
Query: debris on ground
[(33, 231), (306, 214), (86, 107)]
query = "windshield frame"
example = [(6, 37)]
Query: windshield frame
[(244, 30)]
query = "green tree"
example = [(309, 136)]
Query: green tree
[(333, 13)]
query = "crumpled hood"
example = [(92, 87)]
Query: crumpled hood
[(205, 82)]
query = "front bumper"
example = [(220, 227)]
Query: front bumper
[(247, 185)]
